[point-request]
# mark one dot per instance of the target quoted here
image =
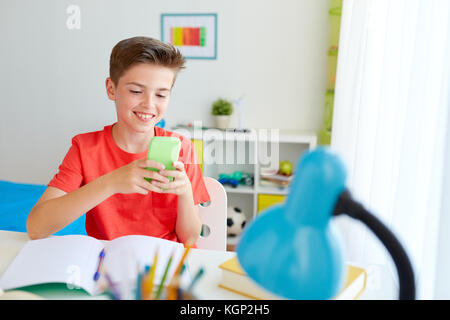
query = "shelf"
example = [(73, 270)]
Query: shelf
[(240, 189), (215, 133), (254, 135), (227, 152), (294, 136), (260, 189), (272, 190)]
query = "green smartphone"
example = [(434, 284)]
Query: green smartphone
[(165, 150)]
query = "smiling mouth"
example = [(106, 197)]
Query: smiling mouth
[(144, 116)]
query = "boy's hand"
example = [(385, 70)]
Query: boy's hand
[(181, 185), (130, 178)]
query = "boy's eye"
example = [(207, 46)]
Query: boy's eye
[(161, 96), (134, 91)]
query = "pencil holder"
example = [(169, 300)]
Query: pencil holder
[(186, 295), (181, 294)]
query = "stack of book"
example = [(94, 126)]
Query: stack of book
[(275, 179), (236, 280)]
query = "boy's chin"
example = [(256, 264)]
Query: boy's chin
[(146, 127)]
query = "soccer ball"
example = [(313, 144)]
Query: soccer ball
[(236, 221)]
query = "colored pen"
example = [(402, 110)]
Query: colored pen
[(101, 257), (151, 278), (139, 279), (160, 288), (142, 283), (111, 285), (182, 269), (180, 264), (172, 288), (194, 281)]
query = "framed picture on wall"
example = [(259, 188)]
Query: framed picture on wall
[(194, 34)]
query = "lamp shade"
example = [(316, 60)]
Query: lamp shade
[(292, 249)]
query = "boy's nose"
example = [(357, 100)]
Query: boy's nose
[(149, 101)]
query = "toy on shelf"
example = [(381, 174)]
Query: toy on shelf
[(236, 178), (278, 178), (247, 179), (236, 220), (231, 179)]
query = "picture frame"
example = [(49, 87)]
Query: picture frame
[(194, 34)]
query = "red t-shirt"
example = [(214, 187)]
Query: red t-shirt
[(96, 153)]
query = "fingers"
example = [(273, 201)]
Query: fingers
[(178, 165), (141, 190), (172, 189), (154, 175), (179, 176), (147, 163), (177, 173), (160, 183), (169, 187), (147, 186), (178, 186), (172, 173)]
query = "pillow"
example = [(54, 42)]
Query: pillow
[(16, 202)]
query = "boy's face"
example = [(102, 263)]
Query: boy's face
[(141, 95)]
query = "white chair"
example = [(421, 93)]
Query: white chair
[(214, 217)]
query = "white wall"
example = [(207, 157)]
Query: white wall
[(52, 78)]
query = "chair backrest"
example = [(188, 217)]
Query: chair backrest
[(214, 217)]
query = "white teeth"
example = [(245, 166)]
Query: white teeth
[(144, 116)]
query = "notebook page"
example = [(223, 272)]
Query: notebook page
[(128, 254), (68, 259)]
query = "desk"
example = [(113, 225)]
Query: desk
[(12, 242), (206, 288)]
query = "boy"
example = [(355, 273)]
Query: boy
[(103, 172)]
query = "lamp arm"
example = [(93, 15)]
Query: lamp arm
[(346, 205)]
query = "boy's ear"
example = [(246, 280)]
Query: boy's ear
[(110, 89)]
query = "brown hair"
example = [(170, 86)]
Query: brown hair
[(143, 50)]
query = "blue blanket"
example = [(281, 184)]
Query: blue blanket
[(16, 202)]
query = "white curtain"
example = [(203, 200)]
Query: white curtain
[(390, 122)]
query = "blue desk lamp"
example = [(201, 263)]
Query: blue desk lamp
[(294, 251)]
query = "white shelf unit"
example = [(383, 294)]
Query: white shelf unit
[(226, 152)]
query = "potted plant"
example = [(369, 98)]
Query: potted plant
[(222, 110)]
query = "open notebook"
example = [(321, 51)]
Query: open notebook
[(74, 259)]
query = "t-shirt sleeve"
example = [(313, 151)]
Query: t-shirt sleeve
[(194, 172), (69, 177)]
